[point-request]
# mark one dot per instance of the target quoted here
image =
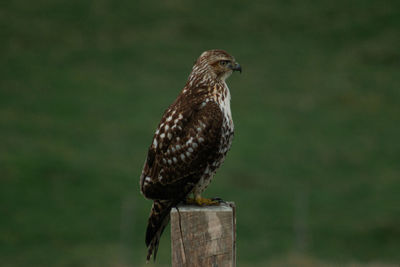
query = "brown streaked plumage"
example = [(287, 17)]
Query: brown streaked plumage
[(190, 142)]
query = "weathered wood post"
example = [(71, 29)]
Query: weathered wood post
[(203, 236)]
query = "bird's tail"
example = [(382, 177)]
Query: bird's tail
[(158, 220)]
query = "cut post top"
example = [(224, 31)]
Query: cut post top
[(222, 207)]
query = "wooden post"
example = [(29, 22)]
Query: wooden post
[(203, 236)]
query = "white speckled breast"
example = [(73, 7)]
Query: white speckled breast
[(227, 132)]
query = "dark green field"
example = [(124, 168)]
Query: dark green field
[(315, 165)]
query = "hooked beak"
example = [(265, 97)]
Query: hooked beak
[(237, 67)]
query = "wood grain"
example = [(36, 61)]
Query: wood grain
[(203, 236)]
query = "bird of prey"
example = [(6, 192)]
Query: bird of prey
[(190, 142)]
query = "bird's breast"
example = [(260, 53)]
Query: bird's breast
[(224, 101)]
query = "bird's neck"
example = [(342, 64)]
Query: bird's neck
[(202, 78)]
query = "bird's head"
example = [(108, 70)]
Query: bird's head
[(216, 63)]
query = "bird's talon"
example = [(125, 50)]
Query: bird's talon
[(218, 199), (199, 201), (206, 201)]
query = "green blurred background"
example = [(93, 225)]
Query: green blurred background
[(315, 165)]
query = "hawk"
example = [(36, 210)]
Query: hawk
[(190, 142)]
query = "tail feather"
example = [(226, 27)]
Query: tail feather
[(158, 220)]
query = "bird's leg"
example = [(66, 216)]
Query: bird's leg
[(200, 201), (190, 200)]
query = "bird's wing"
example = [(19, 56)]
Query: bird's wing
[(183, 145)]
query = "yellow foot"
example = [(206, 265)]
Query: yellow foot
[(202, 201)]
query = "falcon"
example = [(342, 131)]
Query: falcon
[(190, 143)]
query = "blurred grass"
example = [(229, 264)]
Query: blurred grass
[(314, 168)]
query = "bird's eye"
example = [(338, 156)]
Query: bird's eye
[(223, 62)]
